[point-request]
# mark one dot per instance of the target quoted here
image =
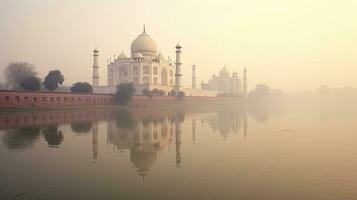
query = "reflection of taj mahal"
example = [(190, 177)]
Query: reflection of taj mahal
[(144, 139), (148, 69)]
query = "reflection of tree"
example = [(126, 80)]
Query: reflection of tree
[(21, 138), (179, 116), (81, 127), (125, 120), (53, 136)]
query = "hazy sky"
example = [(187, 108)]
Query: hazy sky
[(296, 44)]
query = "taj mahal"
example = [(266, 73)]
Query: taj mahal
[(148, 70)]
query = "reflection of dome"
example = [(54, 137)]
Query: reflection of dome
[(142, 160), (224, 72), (144, 44)]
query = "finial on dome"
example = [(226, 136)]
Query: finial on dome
[(144, 29)]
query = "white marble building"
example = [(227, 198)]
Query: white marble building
[(147, 69)]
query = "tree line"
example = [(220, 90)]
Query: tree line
[(23, 76)]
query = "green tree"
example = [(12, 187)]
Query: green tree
[(53, 80), (31, 83), (16, 72), (124, 93), (82, 87)]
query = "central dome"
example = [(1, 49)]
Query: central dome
[(144, 44)]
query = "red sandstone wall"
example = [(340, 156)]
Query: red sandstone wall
[(52, 99), (62, 100)]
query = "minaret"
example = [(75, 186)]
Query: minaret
[(193, 76), (178, 69), (245, 84), (95, 68)]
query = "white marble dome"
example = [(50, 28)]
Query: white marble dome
[(144, 44)]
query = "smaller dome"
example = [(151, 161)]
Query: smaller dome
[(224, 72), (122, 56), (161, 56)]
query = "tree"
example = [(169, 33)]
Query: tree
[(157, 92), (146, 92), (16, 72), (83, 87), (181, 95), (124, 93), (31, 83), (53, 80)]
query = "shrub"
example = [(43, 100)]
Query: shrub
[(124, 93), (82, 87), (31, 83)]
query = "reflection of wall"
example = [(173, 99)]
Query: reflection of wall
[(8, 120)]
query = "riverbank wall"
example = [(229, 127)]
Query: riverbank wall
[(62, 100)]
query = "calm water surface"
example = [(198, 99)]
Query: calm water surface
[(215, 153)]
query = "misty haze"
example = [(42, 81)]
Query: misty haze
[(177, 100)]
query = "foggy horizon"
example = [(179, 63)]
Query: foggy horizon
[(295, 45)]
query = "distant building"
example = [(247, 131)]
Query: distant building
[(225, 83)]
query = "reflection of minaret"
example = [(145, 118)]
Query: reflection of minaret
[(245, 124), (193, 131), (178, 143), (95, 140), (236, 122)]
